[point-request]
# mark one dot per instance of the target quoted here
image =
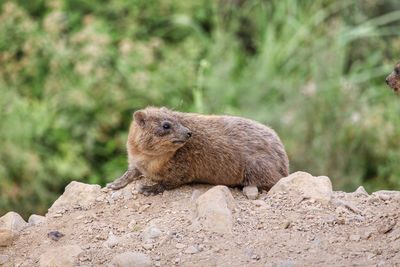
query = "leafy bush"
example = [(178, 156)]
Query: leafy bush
[(74, 71)]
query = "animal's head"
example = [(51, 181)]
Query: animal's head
[(393, 80), (157, 131)]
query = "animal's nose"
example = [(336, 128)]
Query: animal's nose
[(387, 81)]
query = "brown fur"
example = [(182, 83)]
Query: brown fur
[(393, 80), (220, 150)]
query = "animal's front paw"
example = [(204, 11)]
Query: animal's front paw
[(151, 189)]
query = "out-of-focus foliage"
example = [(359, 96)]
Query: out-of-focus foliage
[(73, 71)]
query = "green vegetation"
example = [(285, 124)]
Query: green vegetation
[(73, 71)]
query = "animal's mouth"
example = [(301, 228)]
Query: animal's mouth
[(178, 141)]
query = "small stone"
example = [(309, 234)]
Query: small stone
[(116, 195), (112, 241), (386, 227), (105, 189), (214, 210), (135, 192), (110, 201), (259, 203), (55, 235), (150, 233), (350, 206), (143, 208), (191, 250), (384, 197), (286, 263), (132, 224), (354, 237), (251, 192), (286, 224), (3, 259), (136, 259), (60, 256), (13, 221), (180, 245), (36, 219), (6, 237), (361, 191), (127, 195)]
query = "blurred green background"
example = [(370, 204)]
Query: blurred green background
[(73, 71)]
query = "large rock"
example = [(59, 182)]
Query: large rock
[(76, 193), (13, 221), (64, 256), (6, 237), (305, 185), (131, 259), (213, 210)]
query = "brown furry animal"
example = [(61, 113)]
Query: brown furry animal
[(173, 148), (393, 80)]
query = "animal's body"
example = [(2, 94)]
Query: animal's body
[(173, 148), (393, 79)]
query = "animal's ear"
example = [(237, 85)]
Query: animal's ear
[(140, 117)]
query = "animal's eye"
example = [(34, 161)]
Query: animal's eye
[(166, 125), (397, 71)]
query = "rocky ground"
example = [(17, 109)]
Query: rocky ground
[(300, 222)]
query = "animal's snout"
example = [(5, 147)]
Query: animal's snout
[(387, 80)]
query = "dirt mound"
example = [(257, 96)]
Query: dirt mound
[(124, 228)]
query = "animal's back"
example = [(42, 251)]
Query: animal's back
[(233, 151)]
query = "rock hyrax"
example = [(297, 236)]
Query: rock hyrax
[(173, 148), (393, 80)]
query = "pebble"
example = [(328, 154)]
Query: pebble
[(251, 192), (151, 232), (131, 259), (36, 219), (55, 235), (111, 241), (132, 224), (386, 227), (354, 237), (286, 224), (3, 259), (361, 191), (180, 245), (191, 250), (116, 195), (259, 203), (60, 256), (384, 197)]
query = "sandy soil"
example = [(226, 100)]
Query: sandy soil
[(355, 229)]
